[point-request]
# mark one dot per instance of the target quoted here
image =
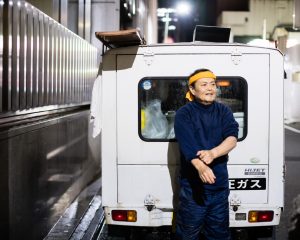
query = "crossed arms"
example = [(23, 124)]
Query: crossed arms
[(206, 157)]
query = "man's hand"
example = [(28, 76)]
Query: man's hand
[(205, 173), (206, 156)]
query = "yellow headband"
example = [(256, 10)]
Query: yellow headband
[(197, 76), (207, 74)]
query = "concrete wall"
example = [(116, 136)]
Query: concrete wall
[(105, 16), (263, 14), (44, 166), (44, 6)]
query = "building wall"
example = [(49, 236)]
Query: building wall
[(44, 6), (85, 17), (146, 19), (46, 76), (263, 16), (105, 16)]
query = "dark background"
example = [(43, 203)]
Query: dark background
[(203, 12)]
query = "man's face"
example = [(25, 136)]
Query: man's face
[(204, 90)]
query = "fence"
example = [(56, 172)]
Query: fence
[(43, 65)]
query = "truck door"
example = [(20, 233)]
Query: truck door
[(145, 162)]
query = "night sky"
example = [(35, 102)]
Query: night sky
[(204, 12)]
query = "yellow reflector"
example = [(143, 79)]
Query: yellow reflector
[(143, 119), (253, 216), (131, 216)]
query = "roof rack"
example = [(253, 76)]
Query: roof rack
[(121, 38)]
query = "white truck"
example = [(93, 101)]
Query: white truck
[(143, 86)]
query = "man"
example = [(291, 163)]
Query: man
[(206, 132)]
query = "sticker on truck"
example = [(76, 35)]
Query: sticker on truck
[(247, 183)]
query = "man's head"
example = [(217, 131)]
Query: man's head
[(202, 86)]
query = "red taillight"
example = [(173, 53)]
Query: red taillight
[(265, 216), (119, 215), (260, 216), (124, 215)]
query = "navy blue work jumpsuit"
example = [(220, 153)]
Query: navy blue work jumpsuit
[(203, 208)]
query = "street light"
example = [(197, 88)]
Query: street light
[(182, 8)]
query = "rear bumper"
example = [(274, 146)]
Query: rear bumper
[(164, 217)]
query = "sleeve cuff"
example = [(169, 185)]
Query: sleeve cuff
[(190, 158)]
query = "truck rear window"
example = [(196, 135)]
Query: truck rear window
[(160, 97)]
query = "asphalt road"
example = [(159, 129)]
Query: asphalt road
[(289, 227)]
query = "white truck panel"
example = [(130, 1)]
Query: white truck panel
[(276, 148), (109, 134), (251, 174), (132, 168), (154, 180)]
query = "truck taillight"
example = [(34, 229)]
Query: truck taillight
[(260, 216), (124, 215)]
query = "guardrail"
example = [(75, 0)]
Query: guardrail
[(43, 65)]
